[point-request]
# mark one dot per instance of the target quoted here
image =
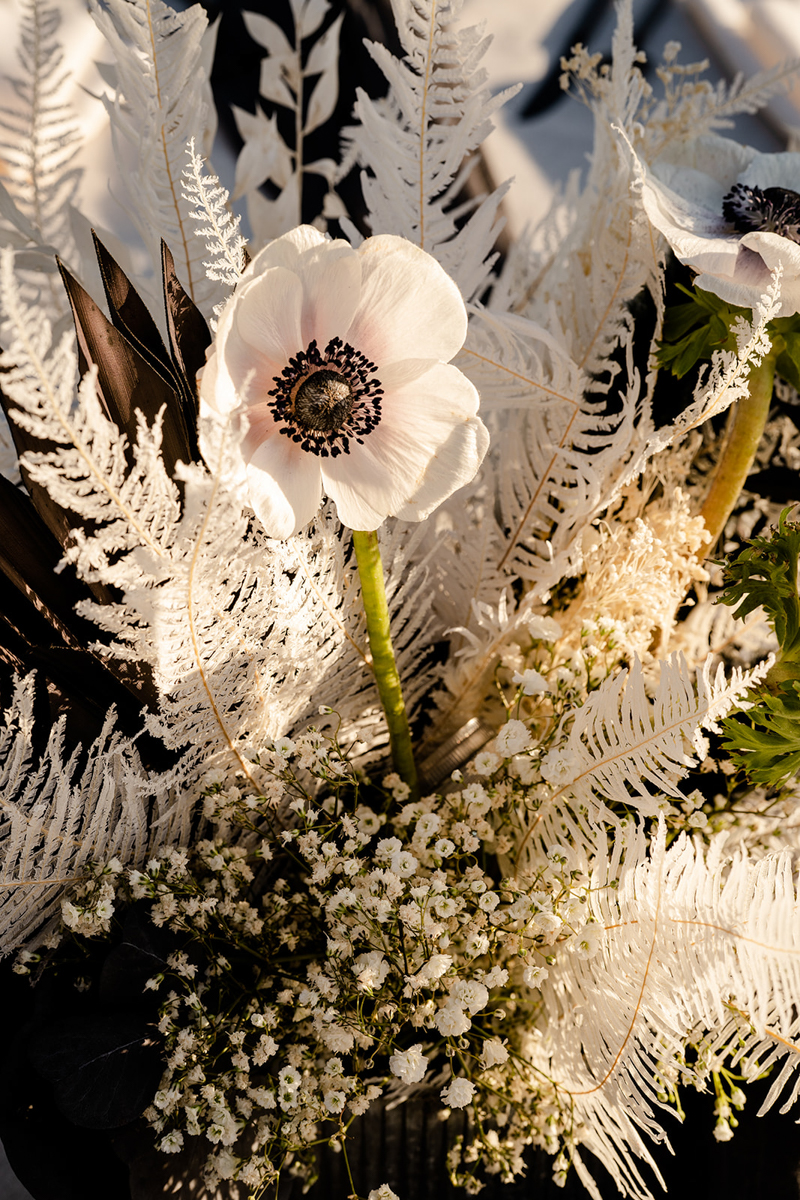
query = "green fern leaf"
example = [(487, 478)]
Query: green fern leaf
[(766, 742)]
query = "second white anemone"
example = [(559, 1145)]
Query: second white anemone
[(732, 214), (338, 359)]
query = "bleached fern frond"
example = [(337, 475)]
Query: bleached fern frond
[(57, 815), (415, 143), (219, 228), (516, 363), (220, 619), (39, 136), (608, 258), (692, 106), (554, 462), (727, 380), (285, 75), (544, 422), (629, 748), (162, 100), (695, 948), (557, 454), (88, 472), (225, 617), (473, 610)]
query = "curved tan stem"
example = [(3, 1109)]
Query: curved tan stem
[(739, 451)]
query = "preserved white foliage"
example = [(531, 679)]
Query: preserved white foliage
[(39, 141), (415, 144), (161, 99), (265, 156), (59, 814), (690, 941), (631, 746)]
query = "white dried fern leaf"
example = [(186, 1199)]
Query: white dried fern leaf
[(414, 144), (39, 141), (225, 618), (479, 615), (219, 228), (694, 947), (558, 457), (607, 258), (724, 383), (57, 815), (219, 617), (162, 100), (226, 621), (628, 747)]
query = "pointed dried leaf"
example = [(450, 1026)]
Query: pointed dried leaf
[(308, 15), (129, 314), (127, 381), (272, 82), (268, 34), (325, 51), (323, 100)]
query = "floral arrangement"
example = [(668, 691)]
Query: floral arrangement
[(379, 722)]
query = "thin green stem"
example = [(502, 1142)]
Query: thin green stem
[(739, 451), (373, 592)]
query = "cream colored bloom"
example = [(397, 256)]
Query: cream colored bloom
[(530, 681), (339, 361), (409, 1065), (494, 1053), (512, 738), (458, 1093), (451, 1020), (731, 214)]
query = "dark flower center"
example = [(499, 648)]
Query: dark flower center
[(324, 399), (323, 402), (773, 210)]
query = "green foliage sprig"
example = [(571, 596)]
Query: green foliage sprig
[(693, 331), (765, 742)]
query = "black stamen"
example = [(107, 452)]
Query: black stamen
[(323, 400), (773, 210)]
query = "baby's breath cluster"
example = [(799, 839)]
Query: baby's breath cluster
[(90, 907), (364, 945)]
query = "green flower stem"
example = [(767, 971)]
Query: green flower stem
[(739, 451), (370, 568)]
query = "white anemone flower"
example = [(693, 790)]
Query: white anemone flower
[(338, 359), (731, 214)]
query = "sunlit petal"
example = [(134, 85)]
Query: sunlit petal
[(331, 292), (410, 308), (285, 486), (428, 444), (267, 316)]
